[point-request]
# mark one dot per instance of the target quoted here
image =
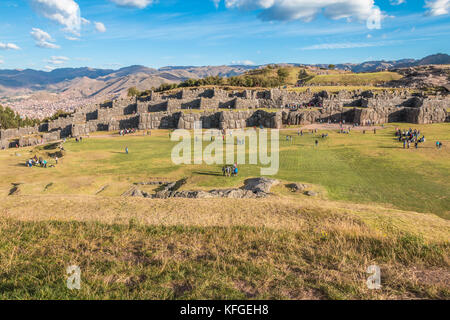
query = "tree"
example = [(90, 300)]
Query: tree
[(331, 67), (283, 73), (10, 119), (303, 74), (133, 92)]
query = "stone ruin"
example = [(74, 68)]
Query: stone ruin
[(222, 109), (254, 188)]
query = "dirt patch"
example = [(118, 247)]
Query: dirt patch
[(180, 288), (432, 277), (248, 289), (130, 282)]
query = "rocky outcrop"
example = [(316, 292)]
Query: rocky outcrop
[(297, 187), (252, 189)]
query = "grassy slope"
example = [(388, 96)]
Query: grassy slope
[(334, 77), (284, 247), (337, 89), (354, 79), (226, 249)]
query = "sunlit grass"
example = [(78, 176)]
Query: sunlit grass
[(362, 168)]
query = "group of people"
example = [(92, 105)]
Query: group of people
[(127, 131), (345, 131), (409, 137), (38, 162), (230, 171)]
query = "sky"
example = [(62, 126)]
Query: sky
[(49, 34)]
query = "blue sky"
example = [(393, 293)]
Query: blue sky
[(47, 34)]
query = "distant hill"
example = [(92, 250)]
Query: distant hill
[(382, 65), (81, 83), (439, 58), (105, 81), (34, 79)]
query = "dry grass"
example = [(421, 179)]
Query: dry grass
[(338, 88), (276, 212), (275, 248), (355, 79)]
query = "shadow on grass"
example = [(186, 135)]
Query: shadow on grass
[(391, 147), (209, 173)]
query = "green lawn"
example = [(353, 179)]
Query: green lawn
[(357, 168)]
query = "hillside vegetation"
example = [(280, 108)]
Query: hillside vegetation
[(273, 76), (268, 77), (354, 79), (10, 119)]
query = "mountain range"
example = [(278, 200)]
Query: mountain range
[(90, 83)]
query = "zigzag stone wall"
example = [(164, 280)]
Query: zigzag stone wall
[(217, 108)]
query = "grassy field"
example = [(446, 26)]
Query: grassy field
[(337, 89), (354, 79), (361, 168), (332, 78), (377, 204)]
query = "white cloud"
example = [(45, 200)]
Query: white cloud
[(72, 38), (141, 4), (63, 12), (1, 61), (438, 7), (242, 63), (8, 46), (43, 39), (397, 2), (57, 60), (100, 27), (307, 10)]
